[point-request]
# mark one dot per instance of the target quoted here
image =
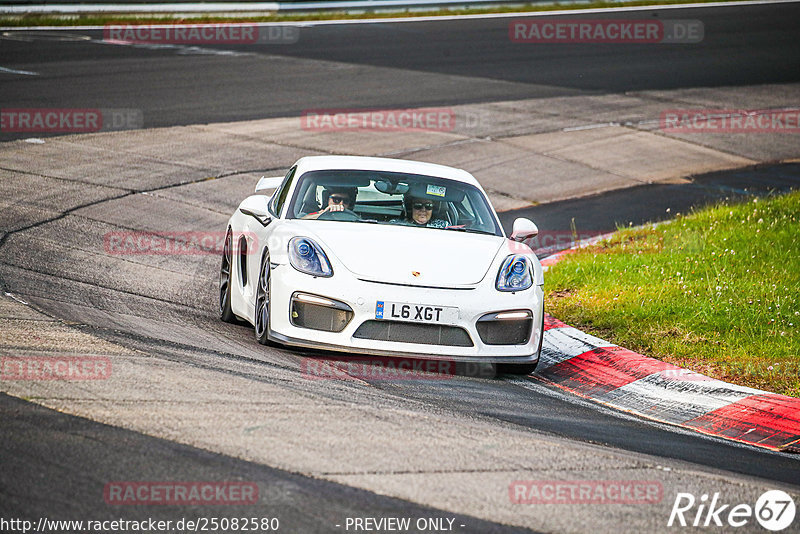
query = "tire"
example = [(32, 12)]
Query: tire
[(262, 311), (225, 270), (523, 368), (516, 368)]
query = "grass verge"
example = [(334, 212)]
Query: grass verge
[(716, 291), (162, 18)]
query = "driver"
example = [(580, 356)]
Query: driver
[(336, 199)]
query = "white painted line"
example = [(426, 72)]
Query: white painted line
[(590, 127), (675, 401), (432, 18), (560, 344), (17, 299), (545, 387), (622, 413), (185, 50), (14, 71)]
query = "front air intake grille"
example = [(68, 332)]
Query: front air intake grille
[(494, 330), (425, 334), (319, 313)]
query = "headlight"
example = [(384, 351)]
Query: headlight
[(307, 257), (516, 274)]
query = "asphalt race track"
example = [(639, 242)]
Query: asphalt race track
[(657, 202), (39, 487), (195, 399), (411, 64)]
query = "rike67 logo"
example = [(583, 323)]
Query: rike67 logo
[(774, 510)]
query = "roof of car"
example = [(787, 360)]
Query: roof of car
[(316, 163)]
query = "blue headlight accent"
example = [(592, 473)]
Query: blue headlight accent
[(307, 257), (516, 274)]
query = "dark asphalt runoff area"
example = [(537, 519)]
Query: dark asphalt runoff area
[(657, 202), (56, 466), (389, 65)]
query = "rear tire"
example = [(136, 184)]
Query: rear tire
[(262, 302), (225, 278)]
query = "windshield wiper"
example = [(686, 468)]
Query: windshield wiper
[(469, 230)]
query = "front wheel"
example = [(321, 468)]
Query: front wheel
[(262, 302), (523, 368)]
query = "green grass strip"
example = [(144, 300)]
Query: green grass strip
[(716, 291)]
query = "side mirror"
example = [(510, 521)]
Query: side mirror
[(256, 207), (523, 230), (268, 183)]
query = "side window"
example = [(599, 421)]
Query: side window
[(276, 204)]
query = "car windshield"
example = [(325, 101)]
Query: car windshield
[(392, 198)]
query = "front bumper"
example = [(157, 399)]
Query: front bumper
[(361, 296)]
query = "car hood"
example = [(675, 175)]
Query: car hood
[(393, 254)]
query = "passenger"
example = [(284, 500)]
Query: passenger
[(336, 199), (419, 212)]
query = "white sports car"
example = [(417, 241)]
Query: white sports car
[(385, 257)]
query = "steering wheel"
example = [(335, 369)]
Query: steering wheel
[(344, 215)]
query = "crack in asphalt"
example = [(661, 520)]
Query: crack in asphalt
[(635, 467), (93, 284), (71, 180), (128, 192), (342, 395)]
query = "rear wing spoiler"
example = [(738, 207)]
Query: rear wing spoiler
[(265, 183)]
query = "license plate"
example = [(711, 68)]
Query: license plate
[(415, 313)]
